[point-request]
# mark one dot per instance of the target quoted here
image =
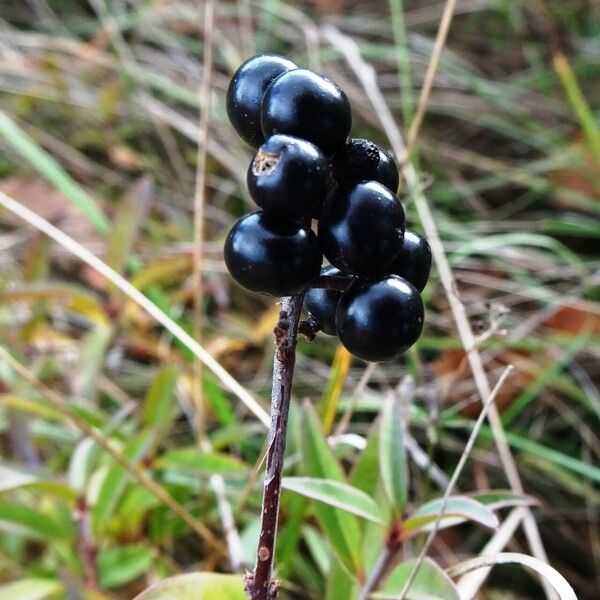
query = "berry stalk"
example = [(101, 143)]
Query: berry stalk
[(259, 585)]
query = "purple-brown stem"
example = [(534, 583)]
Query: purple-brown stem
[(385, 561), (85, 542), (259, 585)]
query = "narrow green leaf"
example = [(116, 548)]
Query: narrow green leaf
[(430, 582), (31, 151), (116, 480), (129, 214), (339, 583), (135, 506), (32, 588), (121, 564), (318, 548), (337, 494), (365, 474), (197, 586), (392, 455), (12, 478), (458, 509), (91, 361), (192, 460), (81, 462), (158, 405), (32, 523), (219, 402), (340, 528), (294, 507), (498, 499)]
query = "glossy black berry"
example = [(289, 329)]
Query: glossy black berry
[(270, 254), (414, 261), (288, 175), (362, 227), (306, 105), (246, 91), (378, 319), (387, 171), (322, 303), (358, 159)]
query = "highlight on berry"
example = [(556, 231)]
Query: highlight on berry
[(308, 176)]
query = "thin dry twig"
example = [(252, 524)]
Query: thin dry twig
[(112, 30), (129, 290), (199, 201), (438, 48), (365, 73), (457, 472), (217, 483)]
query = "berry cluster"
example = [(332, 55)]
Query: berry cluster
[(306, 168)]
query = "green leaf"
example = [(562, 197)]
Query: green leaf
[(339, 583), (294, 507), (498, 499), (197, 586), (135, 506), (192, 460), (430, 582), (392, 455), (365, 474), (219, 402), (318, 548), (121, 564), (340, 528), (116, 480), (32, 588), (82, 457), (91, 359), (32, 523), (126, 222), (12, 478), (158, 404), (458, 509), (335, 493)]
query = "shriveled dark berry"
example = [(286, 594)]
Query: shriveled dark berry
[(322, 303), (306, 105), (414, 261), (273, 255), (358, 159), (379, 318), (288, 175), (362, 227), (387, 171), (246, 91)]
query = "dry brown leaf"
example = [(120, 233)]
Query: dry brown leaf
[(52, 205), (574, 319), (453, 369), (582, 177), (330, 7)]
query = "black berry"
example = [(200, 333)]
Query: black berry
[(246, 91), (270, 254), (414, 261), (387, 171), (362, 227), (306, 105), (358, 159), (288, 175), (378, 319), (322, 303)]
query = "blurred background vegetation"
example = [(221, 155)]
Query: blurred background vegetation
[(99, 105)]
